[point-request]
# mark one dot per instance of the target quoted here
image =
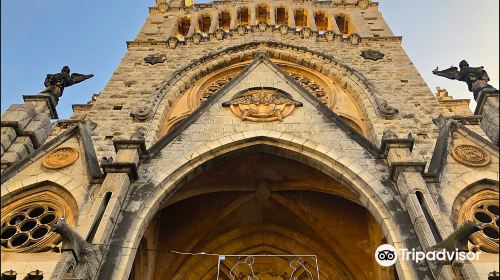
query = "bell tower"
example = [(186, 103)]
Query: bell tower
[(244, 139)]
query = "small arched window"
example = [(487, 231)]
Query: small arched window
[(321, 20), (204, 23), (263, 13), (281, 16), (344, 24), (243, 16), (300, 18), (225, 20), (184, 25)]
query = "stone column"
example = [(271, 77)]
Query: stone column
[(487, 106), (272, 14), (215, 22), (234, 17), (253, 14), (194, 25), (291, 17), (333, 23), (406, 170), (109, 202), (312, 21)]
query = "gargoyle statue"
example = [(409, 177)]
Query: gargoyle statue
[(476, 77), (459, 238), (55, 83), (71, 240)]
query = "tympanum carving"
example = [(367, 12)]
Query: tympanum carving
[(262, 104)]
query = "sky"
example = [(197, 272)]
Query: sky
[(41, 36)]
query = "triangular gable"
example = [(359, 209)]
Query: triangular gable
[(263, 59), (92, 165)]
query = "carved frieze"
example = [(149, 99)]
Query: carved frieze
[(471, 155), (311, 86), (372, 55), (214, 87), (60, 158), (155, 59), (262, 104)]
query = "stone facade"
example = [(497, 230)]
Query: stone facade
[(248, 128)]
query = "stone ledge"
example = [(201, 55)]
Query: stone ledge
[(50, 101), (139, 145), (121, 167)]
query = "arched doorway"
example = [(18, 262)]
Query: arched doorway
[(255, 202)]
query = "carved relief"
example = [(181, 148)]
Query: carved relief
[(372, 55), (155, 59), (306, 33), (26, 224), (242, 30), (214, 87), (220, 34), (471, 156), (483, 208), (172, 42), (312, 87), (284, 29), (354, 39), (60, 158), (262, 105), (330, 36), (197, 38), (262, 26)]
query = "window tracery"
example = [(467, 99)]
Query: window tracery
[(26, 223), (483, 208)]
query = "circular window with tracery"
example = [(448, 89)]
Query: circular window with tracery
[(26, 223), (483, 208)]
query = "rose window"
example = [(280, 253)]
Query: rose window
[(26, 224), (483, 208)]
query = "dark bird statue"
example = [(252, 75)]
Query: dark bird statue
[(459, 238)]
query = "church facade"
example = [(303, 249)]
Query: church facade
[(252, 140)]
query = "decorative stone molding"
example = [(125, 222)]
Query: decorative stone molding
[(483, 208), (26, 223), (241, 30), (155, 59), (146, 112), (284, 29), (220, 34), (262, 26), (262, 104), (197, 38), (60, 158), (330, 36), (386, 110), (172, 42), (372, 55), (306, 33), (472, 156), (354, 39)]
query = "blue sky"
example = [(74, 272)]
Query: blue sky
[(41, 36)]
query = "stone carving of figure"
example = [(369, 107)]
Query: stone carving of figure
[(55, 83), (476, 77)]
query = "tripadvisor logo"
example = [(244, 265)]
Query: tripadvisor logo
[(387, 255)]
